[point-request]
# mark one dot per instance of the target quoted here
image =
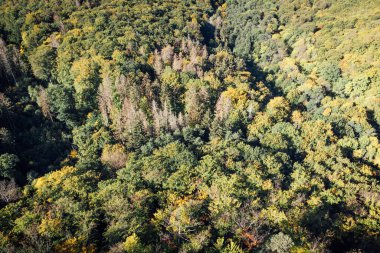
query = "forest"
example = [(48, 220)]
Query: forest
[(220, 126)]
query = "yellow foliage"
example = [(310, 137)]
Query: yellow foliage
[(180, 219), (297, 117), (260, 124), (289, 65), (73, 153), (202, 194), (314, 201), (278, 108), (299, 250), (366, 170), (150, 60), (358, 153), (50, 226), (274, 215), (238, 95), (223, 9), (81, 69), (267, 185), (348, 224), (3, 240), (53, 179), (132, 243), (74, 245), (159, 217), (327, 112), (222, 54), (214, 82)]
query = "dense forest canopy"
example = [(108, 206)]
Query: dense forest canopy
[(189, 126)]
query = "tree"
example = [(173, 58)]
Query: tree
[(42, 61), (278, 108), (9, 191), (167, 54), (86, 77), (114, 156), (105, 99), (6, 65), (44, 103), (280, 243), (196, 102), (8, 164)]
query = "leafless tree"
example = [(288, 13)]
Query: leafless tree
[(34, 242), (5, 101), (9, 191), (148, 87), (54, 42), (167, 54), (5, 60), (253, 227), (320, 244), (223, 107), (117, 248), (158, 64), (164, 118), (204, 53), (58, 19), (196, 103), (105, 99), (177, 62), (43, 102), (122, 85), (130, 118), (194, 54), (184, 47)]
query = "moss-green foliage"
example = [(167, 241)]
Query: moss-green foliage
[(311, 49), (189, 126)]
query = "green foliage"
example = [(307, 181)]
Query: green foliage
[(42, 61), (189, 126), (8, 164)]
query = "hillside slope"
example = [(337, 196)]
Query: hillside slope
[(189, 126)]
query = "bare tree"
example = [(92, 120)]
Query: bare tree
[(196, 104), (9, 191), (158, 64), (177, 62), (43, 102), (194, 54), (57, 19), (164, 118), (204, 53), (253, 227), (223, 107), (5, 61), (5, 101), (105, 99), (54, 42), (148, 87), (122, 85), (167, 54), (34, 242), (130, 118), (184, 47)]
